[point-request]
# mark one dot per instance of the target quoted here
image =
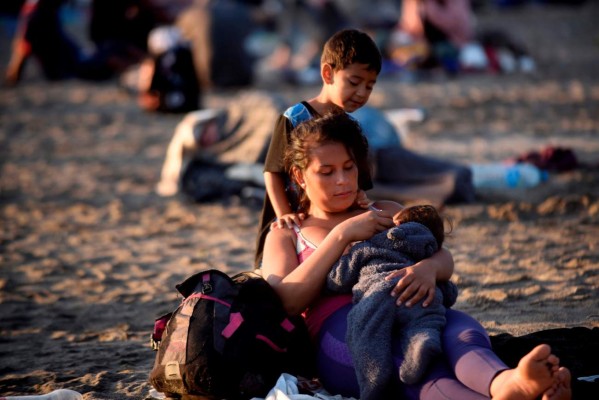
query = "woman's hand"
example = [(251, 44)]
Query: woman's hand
[(416, 282), (419, 280), (363, 226), (362, 200)]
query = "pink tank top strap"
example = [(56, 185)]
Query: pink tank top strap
[(303, 247)]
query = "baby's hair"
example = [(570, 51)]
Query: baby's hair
[(428, 216), (351, 46), (335, 127)]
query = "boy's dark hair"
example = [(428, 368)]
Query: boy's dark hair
[(334, 127), (350, 46), (426, 215)]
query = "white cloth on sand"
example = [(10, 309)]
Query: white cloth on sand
[(286, 388), (59, 394)]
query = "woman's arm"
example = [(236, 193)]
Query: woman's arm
[(419, 280), (300, 285)]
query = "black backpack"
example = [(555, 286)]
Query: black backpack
[(175, 81), (230, 338)]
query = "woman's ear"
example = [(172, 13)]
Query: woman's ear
[(297, 176), (326, 71)]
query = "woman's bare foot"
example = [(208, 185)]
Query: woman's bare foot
[(533, 376), (561, 389)]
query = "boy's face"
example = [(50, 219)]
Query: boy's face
[(351, 87)]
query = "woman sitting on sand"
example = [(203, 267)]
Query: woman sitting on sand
[(322, 159)]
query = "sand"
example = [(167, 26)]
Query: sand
[(89, 254)]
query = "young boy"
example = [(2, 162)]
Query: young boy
[(349, 67)]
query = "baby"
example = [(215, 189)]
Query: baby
[(418, 234)]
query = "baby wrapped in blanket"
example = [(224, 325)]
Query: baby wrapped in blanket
[(375, 316)]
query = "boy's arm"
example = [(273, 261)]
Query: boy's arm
[(274, 175), (286, 217), (275, 186)]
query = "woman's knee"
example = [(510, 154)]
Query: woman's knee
[(462, 330)]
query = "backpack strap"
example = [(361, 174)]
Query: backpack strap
[(300, 112), (297, 113), (235, 321), (271, 344), (206, 297)]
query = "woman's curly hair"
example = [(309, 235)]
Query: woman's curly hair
[(334, 127)]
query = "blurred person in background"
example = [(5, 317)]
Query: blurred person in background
[(118, 30), (445, 33)]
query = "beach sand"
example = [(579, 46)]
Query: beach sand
[(89, 254)]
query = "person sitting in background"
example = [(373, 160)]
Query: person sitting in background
[(167, 79), (217, 32), (118, 29), (448, 31), (444, 26)]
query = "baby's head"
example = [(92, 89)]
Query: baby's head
[(426, 215)]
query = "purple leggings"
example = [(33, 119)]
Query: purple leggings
[(465, 372)]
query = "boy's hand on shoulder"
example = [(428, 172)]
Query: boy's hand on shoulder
[(287, 221)]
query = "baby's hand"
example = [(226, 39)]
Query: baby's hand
[(362, 199), (287, 221)]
